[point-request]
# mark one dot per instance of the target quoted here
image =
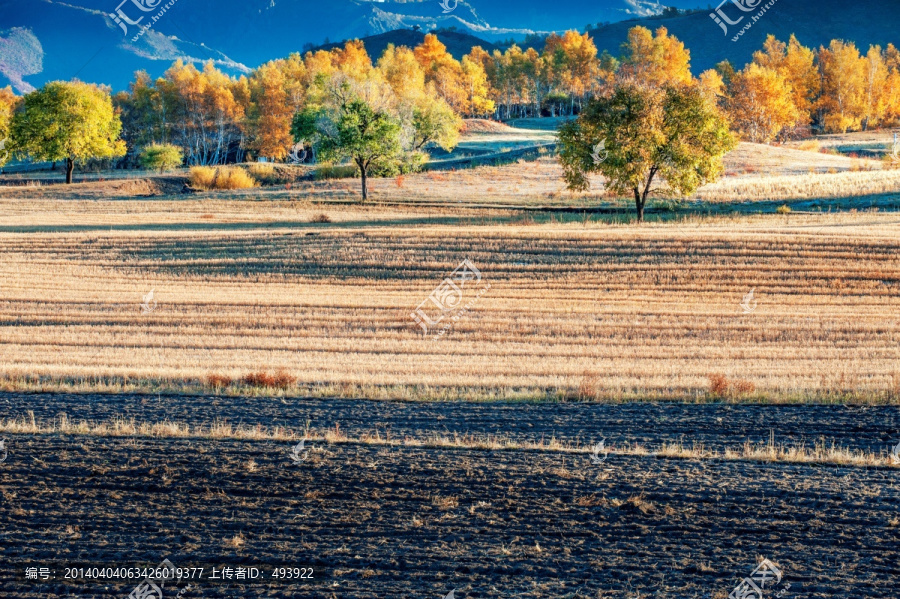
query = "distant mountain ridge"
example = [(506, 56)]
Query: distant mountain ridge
[(815, 23), (44, 40), (78, 38), (458, 44)]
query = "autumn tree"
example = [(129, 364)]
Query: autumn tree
[(8, 103), (673, 133), (67, 121), (270, 114), (462, 85), (761, 104), (434, 121), (796, 64), (712, 85), (573, 60), (658, 59), (892, 85), (877, 74), (402, 71), (145, 118), (205, 111), (843, 100)]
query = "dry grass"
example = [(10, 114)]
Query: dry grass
[(820, 453), (802, 187), (221, 178)]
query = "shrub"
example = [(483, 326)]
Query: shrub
[(783, 209), (283, 379), (208, 177), (743, 387), (320, 218), (718, 385), (259, 379), (161, 157), (280, 380), (218, 380), (810, 145)]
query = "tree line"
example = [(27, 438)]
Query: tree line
[(787, 90)]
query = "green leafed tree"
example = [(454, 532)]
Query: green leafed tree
[(161, 157), (435, 122), (67, 121), (641, 134), (370, 138)]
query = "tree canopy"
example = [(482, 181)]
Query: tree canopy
[(352, 128), (67, 121), (672, 132)]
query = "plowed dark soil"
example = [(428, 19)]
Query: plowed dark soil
[(413, 522)]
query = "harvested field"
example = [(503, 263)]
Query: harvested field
[(595, 312)]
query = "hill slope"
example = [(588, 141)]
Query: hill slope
[(815, 22), (458, 44)]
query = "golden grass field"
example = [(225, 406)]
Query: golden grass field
[(580, 304)]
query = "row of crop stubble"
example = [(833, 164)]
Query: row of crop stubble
[(593, 311)]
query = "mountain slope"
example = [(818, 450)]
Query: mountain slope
[(815, 22), (458, 44)]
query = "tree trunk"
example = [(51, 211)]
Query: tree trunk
[(70, 167), (639, 204), (365, 184)]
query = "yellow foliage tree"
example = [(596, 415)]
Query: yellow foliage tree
[(270, 114), (797, 64), (67, 121), (8, 101), (655, 60), (761, 103), (573, 57), (442, 70), (402, 71), (712, 85), (876, 88), (353, 60), (843, 100), (892, 85)]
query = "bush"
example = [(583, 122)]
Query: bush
[(783, 209), (321, 218), (208, 177), (718, 385), (330, 171), (743, 387), (283, 380), (258, 379), (161, 157), (218, 380), (280, 380)]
